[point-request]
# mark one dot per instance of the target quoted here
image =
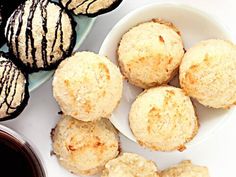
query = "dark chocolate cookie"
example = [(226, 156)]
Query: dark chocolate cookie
[(40, 34), (14, 92)]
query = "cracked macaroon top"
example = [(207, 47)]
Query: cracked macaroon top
[(208, 73), (87, 86), (84, 148), (163, 119), (185, 169), (130, 165), (150, 53)]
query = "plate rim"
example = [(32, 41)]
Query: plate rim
[(76, 47)]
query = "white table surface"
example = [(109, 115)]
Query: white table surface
[(218, 152)]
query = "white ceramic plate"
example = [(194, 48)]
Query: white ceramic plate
[(195, 26)]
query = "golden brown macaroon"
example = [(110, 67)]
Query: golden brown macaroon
[(87, 86), (84, 148), (208, 73), (163, 119), (130, 165), (186, 169), (150, 53)]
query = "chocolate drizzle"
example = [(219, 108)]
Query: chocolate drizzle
[(61, 35), (90, 5), (82, 3), (29, 34), (9, 79), (85, 10), (10, 29), (68, 3), (43, 7), (20, 22), (14, 77), (60, 30), (30, 44)]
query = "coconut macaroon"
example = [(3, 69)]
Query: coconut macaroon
[(150, 53), (130, 165), (87, 86), (208, 73), (90, 8), (186, 169), (163, 119), (84, 148), (40, 34), (14, 92)]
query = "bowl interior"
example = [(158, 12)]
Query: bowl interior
[(194, 26), (23, 151), (84, 24)]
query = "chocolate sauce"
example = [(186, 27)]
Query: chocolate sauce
[(17, 158)]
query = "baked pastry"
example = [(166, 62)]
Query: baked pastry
[(130, 165), (163, 119), (186, 169), (87, 86), (6, 8), (40, 34), (208, 73), (150, 53), (90, 8), (84, 148), (14, 92)]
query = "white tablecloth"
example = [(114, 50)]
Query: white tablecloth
[(218, 152)]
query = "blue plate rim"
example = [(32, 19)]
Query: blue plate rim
[(77, 45)]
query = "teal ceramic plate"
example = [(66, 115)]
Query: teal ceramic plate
[(84, 24)]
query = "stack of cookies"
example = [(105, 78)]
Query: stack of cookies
[(88, 87)]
